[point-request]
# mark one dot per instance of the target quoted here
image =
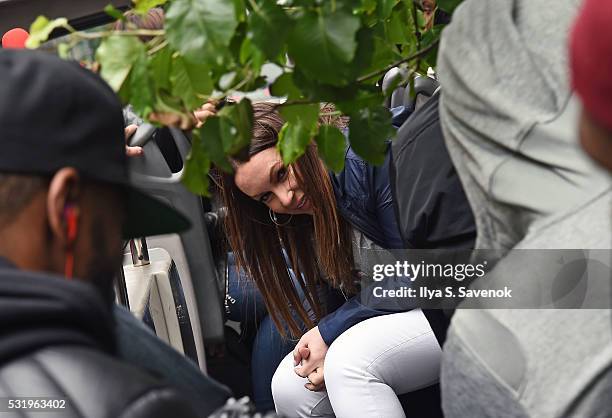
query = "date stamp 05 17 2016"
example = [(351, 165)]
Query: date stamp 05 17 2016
[(9, 404)]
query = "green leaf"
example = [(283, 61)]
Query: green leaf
[(397, 28), (369, 129), (366, 96), (269, 26), (210, 134), (63, 51), (200, 29), (116, 56), (370, 21), (113, 12), (315, 91), (199, 77), (191, 82), (366, 6), (140, 83), (42, 28), (257, 60), (125, 93), (283, 86), (250, 52), (448, 5), (240, 116), (307, 114), (160, 65), (364, 53), (246, 50), (292, 141), (237, 41), (143, 6), (383, 54), (168, 103), (197, 165), (323, 46), (256, 83), (385, 8), (240, 9), (430, 37), (421, 21), (331, 145)]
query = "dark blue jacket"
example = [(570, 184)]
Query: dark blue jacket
[(364, 198)]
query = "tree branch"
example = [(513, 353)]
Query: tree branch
[(157, 48), (106, 34), (297, 102), (416, 55)]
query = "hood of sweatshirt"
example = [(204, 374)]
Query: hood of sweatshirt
[(40, 310), (510, 120)]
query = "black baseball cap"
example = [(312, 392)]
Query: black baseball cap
[(55, 114)]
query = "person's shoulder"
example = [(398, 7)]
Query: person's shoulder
[(93, 383), (352, 158)]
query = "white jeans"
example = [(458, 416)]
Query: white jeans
[(365, 369)]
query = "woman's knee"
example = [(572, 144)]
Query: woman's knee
[(404, 360), (292, 399), (279, 386), (342, 363), (285, 386)]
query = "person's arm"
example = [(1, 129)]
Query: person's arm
[(365, 305), (382, 202), (350, 313)]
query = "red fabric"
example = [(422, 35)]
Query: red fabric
[(591, 59), (15, 38)]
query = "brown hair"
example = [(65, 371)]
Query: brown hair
[(152, 20), (317, 246)]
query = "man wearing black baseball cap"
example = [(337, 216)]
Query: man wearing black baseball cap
[(65, 205)]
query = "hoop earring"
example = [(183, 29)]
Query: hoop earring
[(274, 219)]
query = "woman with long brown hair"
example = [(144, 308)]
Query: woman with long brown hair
[(301, 219)]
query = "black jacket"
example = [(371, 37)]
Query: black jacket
[(431, 206), (57, 341), (432, 209)]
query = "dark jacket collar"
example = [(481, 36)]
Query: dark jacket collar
[(39, 310)]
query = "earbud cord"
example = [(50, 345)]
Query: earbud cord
[(71, 233)]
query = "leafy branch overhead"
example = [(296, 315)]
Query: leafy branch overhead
[(326, 51)]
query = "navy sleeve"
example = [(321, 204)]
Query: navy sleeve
[(385, 211), (365, 306), (350, 313), (381, 205)]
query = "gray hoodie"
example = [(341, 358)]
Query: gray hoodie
[(509, 121)]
